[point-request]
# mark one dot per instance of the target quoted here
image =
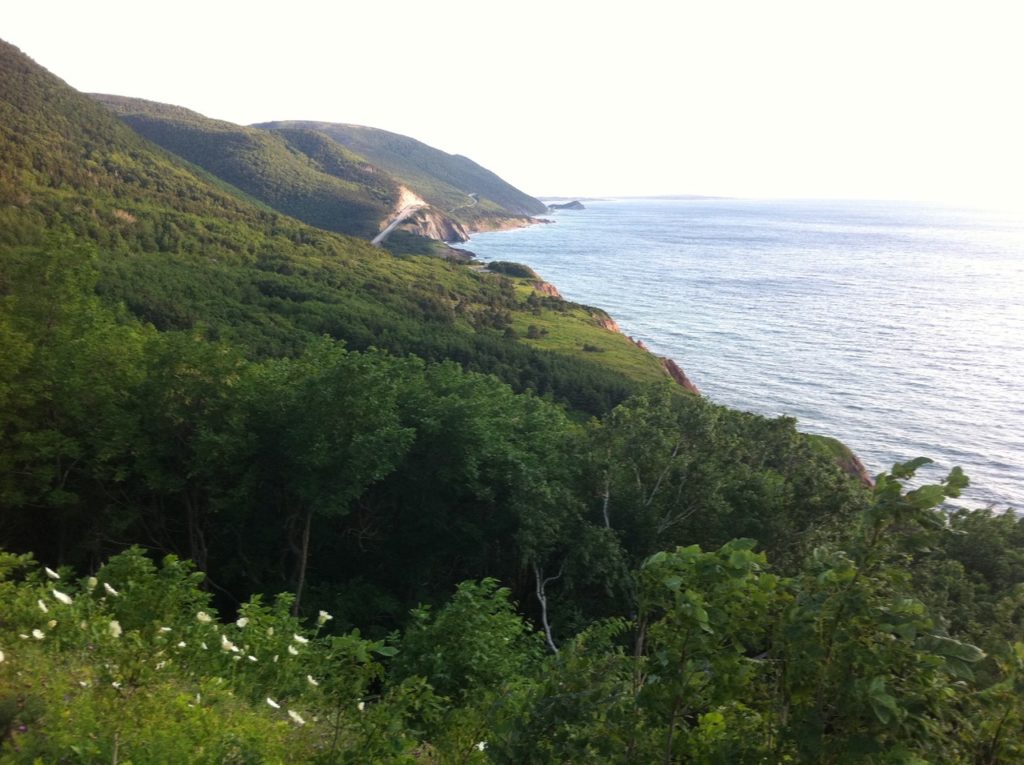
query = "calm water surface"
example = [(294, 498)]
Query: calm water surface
[(897, 327)]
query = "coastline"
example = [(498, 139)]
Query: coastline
[(841, 454), (490, 225)]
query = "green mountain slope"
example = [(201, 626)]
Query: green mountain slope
[(301, 174), (184, 253), (444, 180)]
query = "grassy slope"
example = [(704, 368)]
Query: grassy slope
[(183, 253), (301, 174), (442, 179)]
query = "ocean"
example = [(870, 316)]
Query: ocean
[(896, 327)]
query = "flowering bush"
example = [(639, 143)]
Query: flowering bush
[(135, 664)]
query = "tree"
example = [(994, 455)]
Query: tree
[(326, 427)]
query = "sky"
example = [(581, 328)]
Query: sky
[(884, 100)]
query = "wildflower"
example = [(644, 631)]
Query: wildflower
[(312, 681), (227, 645), (116, 684), (481, 745), (273, 703), (38, 634), (296, 717), (293, 650), (204, 617), (42, 606), (361, 706), (83, 683), (270, 632), (252, 658), (181, 644), (236, 658), (203, 645), (2, 657), (110, 590), (165, 629), (23, 636), (242, 621), (51, 573), (63, 597), (91, 582), (275, 658), (323, 618), (299, 639), (51, 624), (115, 628), (161, 664)]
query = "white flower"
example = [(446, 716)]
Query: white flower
[(52, 623), (181, 644), (115, 628), (2, 657), (299, 639), (323, 618), (361, 706), (293, 650), (296, 717), (23, 636), (481, 745), (38, 634), (161, 664), (252, 658), (273, 703), (51, 573), (110, 590), (91, 582), (270, 632), (203, 645), (275, 658), (226, 644), (83, 683), (165, 629), (312, 681), (204, 617), (242, 621), (63, 597), (42, 606), (116, 684)]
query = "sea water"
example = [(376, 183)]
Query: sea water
[(896, 327)]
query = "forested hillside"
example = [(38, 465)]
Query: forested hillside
[(307, 176), (442, 179), (269, 494)]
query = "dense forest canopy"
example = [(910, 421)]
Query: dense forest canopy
[(268, 494)]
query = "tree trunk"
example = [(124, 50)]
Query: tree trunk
[(542, 598), (303, 562)]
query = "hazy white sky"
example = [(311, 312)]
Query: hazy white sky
[(912, 100)]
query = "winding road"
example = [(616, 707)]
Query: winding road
[(402, 214)]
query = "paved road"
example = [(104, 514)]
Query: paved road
[(404, 213)]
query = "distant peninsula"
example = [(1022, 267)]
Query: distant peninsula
[(574, 205)]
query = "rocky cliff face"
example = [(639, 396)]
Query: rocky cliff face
[(546, 288), (673, 370), (434, 224), (851, 465)]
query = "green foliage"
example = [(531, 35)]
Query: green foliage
[(239, 394), (299, 173), (443, 180), (470, 647), (517, 270)]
